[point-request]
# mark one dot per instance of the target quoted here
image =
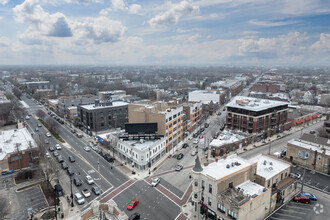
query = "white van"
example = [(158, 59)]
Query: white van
[(80, 200)]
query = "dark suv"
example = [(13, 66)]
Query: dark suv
[(180, 156), (108, 158), (77, 181), (135, 216)]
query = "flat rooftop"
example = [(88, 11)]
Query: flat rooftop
[(297, 113), (218, 170), (254, 104), (136, 144), (100, 106), (227, 137), (310, 146), (268, 167), (9, 139), (251, 189)]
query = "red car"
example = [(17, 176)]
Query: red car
[(132, 204), (302, 199)]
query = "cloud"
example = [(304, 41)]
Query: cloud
[(1, 18), (194, 38), (84, 1), (60, 29), (4, 42), (4, 2), (271, 24), (100, 30), (323, 44), (173, 14), (118, 4), (135, 9)]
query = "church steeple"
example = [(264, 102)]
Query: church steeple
[(197, 167)]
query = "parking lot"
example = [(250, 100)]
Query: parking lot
[(32, 198), (314, 179), (316, 210), (6, 182)]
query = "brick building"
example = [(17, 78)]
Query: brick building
[(260, 117), (193, 113), (326, 124), (265, 87)]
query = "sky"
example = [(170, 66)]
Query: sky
[(158, 32)]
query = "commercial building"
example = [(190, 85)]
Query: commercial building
[(236, 188), (53, 104), (326, 124), (193, 112), (301, 116), (141, 151), (69, 101), (314, 156), (207, 96), (265, 87), (260, 117), (17, 149), (169, 119), (102, 116)]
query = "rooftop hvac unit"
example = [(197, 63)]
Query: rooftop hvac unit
[(271, 163), (232, 164), (227, 166), (265, 162)]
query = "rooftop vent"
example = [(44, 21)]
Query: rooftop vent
[(237, 163), (232, 164), (227, 166), (254, 195), (271, 163), (265, 162)]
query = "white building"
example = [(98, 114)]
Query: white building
[(141, 153), (204, 96)]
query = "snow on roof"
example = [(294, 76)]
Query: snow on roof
[(218, 170), (269, 168), (254, 104), (24, 104), (144, 145), (310, 146), (114, 104), (250, 188), (226, 137), (54, 101), (9, 139)]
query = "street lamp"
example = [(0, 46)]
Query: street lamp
[(149, 161), (72, 205)]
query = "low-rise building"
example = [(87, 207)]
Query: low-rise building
[(4, 108), (312, 155), (193, 112), (17, 149), (207, 96), (69, 101)]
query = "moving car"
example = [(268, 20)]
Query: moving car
[(185, 145), (193, 153), (27, 117), (135, 216), (132, 204), (55, 153), (58, 147), (77, 181), (79, 135), (36, 129), (309, 195), (178, 167), (87, 149), (47, 155), (72, 159), (302, 199), (89, 180), (73, 131), (86, 193), (64, 166), (206, 125), (48, 134), (155, 181), (180, 156), (51, 148), (96, 190), (39, 125), (196, 141), (80, 200)]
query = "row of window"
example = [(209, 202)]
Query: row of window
[(174, 116), (203, 185)]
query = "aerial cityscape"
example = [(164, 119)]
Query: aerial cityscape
[(164, 110)]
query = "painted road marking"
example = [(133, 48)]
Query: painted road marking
[(289, 215), (318, 208)]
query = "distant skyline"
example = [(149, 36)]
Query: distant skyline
[(158, 32)]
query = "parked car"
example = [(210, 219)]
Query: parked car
[(155, 181), (55, 153), (193, 153), (36, 129), (47, 155), (87, 148), (89, 180), (309, 195), (185, 145), (219, 113), (80, 200), (72, 159), (70, 171), (46, 141), (7, 172), (302, 199), (58, 147), (178, 167), (77, 181), (312, 132), (180, 156), (132, 204), (108, 158), (79, 135), (64, 166), (73, 131), (195, 135), (135, 216), (48, 134), (206, 125), (96, 190), (60, 159), (86, 193), (39, 125), (51, 148), (196, 141)]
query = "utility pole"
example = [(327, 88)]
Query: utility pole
[(303, 177), (72, 205)]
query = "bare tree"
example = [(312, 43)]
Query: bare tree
[(17, 93), (4, 208), (53, 126), (41, 114)]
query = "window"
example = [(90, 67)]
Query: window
[(319, 157), (209, 202), (286, 174), (203, 184), (268, 183), (195, 195), (210, 188), (196, 182), (232, 214), (255, 171), (221, 208)]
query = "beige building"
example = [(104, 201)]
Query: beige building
[(193, 112), (314, 156), (169, 119), (236, 188)]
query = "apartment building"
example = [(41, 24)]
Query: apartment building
[(260, 117), (326, 124), (169, 119), (236, 188), (4, 108), (193, 112), (102, 115), (265, 87), (68, 101), (314, 156), (114, 94)]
